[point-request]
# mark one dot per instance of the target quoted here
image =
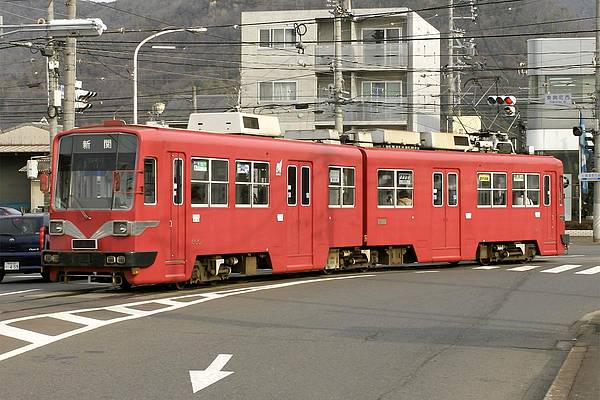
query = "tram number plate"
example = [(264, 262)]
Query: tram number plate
[(11, 265)]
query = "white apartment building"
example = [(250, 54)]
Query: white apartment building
[(561, 85), (391, 68)]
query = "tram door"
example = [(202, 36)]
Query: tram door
[(299, 216), (549, 207), (177, 212), (445, 216)]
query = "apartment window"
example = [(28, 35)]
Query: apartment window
[(387, 89), (251, 184), (277, 37), (381, 36), (149, 181), (210, 182), (277, 91), (394, 188), (341, 187), (491, 189), (525, 190)]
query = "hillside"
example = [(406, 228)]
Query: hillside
[(210, 62)]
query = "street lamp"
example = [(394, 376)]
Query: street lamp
[(135, 58), (61, 28)]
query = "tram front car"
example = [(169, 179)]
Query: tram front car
[(99, 225)]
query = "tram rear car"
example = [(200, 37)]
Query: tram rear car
[(157, 205)]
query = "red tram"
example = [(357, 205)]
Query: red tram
[(153, 205)]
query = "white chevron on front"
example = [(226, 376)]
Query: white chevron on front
[(562, 268), (591, 271)]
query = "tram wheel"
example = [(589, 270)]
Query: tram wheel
[(45, 276), (485, 261), (1, 275), (180, 285), (125, 284)]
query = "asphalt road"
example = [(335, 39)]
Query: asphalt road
[(432, 332)]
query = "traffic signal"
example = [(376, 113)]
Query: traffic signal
[(81, 99), (588, 141), (504, 104)]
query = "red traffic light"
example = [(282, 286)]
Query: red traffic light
[(501, 100)]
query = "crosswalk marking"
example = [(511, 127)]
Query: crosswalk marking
[(562, 268), (591, 271), (487, 267), (524, 268)]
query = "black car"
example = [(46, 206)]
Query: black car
[(21, 239)]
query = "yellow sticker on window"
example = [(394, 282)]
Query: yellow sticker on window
[(484, 178)]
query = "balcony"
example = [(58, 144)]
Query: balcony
[(367, 111), (364, 56)]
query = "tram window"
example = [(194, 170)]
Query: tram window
[(499, 187), (385, 188), (209, 183), (305, 186), (525, 190), (335, 186), (252, 184), (292, 184), (178, 181), (438, 189), (491, 189), (348, 187), (149, 181), (404, 188), (452, 189), (547, 190), (341, 187)]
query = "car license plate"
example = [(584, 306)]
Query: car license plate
[(11, 265)]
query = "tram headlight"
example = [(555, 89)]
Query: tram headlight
[(111, 259), (120, 259), (57, 227), (120, 228)]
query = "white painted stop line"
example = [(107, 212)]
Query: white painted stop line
[(562, 268), (590, 271), (486, 267), (19, 292)]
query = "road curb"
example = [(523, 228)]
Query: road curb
[(565, 379)]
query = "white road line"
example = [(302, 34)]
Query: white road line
[(25, 335), (487, 267), (591, 271), (562, 268), (426, 272), (525, 268), (19, 292), (38, 340)]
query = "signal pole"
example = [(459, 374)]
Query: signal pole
[(70, 72), (596, 218)]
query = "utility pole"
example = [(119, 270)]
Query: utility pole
[(70, 72), (596, 218), (450, 68), (194, 99), (52, 70), (337, 67)]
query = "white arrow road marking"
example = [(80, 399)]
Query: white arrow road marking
[(212, 374), (20, 291), (560, 269)]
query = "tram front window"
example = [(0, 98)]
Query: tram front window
[(96, 172)]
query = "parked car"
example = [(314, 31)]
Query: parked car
[(22, 239), (9, 211)]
